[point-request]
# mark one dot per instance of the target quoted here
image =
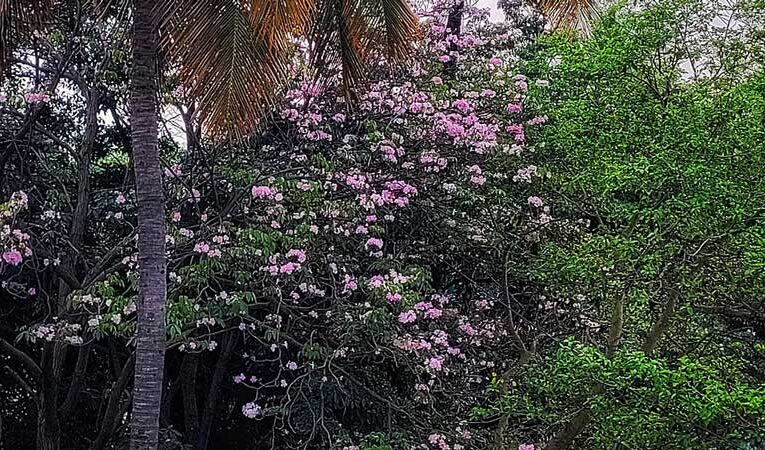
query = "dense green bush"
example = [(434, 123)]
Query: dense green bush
[(657, 185)]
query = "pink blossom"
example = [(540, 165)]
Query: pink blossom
[(495, 62), (407, 317), (423, 306), (120, 199), (251, 410), (36, 97), (263, 192), (435, 363), (433, 313), (444, 58), (538, 120), (298, 254), (361, 229), (478, 180), (535, 201), (468, 329), (318, 135), (435, 438), (376, 281), (288, 268), (12, 257), (437, 80), (393, 297), (374, 242), (239, 378), (350, 283), (514, 108), (339, 117), (462, 105), (526, 447)]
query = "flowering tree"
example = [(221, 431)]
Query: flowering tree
[(479, 253)]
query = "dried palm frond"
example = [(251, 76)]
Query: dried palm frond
[(278, 19), (346, 33), (575, 14), (234, 56), (230, 65), (18, 19)]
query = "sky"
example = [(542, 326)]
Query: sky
[(496, 14)]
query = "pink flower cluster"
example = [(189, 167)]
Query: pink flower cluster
[(266, 192), (36, 97)]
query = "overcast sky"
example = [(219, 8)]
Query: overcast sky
[(496, 14)]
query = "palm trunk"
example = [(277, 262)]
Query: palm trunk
[(150, 339)]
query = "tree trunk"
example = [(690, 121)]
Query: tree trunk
[(211, 402), (111, 412), (48, 428), (150, 339), (565, 437), (189, 389), (454, 28)]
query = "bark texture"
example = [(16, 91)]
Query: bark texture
[(152, 290)]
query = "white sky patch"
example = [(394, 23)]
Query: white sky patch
[(496, 13)]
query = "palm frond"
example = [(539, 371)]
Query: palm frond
[(225, 62), (575, 14), (337, 46), (400, 23), (18, 19), (347, 33), (280, 18)]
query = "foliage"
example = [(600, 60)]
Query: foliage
[(505, 233)]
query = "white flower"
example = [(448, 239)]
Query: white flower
[(251, 410)]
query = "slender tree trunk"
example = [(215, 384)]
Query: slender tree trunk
[(150, 339), (657, 330), (77, 382), (211, 402), (189, 388), (565, 437), (111, 412), (454, 27), (48, 428)]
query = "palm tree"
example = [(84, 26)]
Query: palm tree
[(152, 291)]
